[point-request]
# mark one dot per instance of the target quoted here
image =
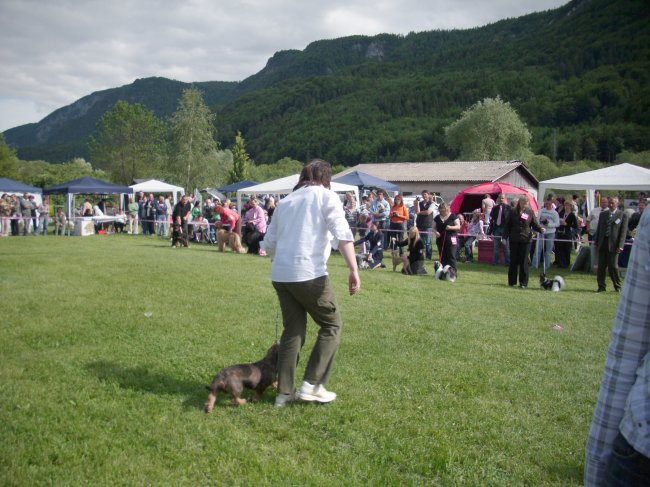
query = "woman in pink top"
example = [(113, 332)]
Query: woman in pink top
[(255, 226)]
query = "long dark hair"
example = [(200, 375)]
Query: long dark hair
[(316, 173)]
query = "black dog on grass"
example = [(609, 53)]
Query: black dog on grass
[(178, 237), (257, 376)]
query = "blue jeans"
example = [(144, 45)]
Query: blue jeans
[(498, 241), (626, 466), (162, 225), (469, 240), (425, 235), (545, 242)]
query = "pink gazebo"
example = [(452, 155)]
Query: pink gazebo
[(470, 198)]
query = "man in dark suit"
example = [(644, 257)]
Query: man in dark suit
[(498, 217), (609, 239)]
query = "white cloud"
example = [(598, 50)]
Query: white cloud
[(55, 52)]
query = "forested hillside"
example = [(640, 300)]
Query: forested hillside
[(64, 133), (579, 77)]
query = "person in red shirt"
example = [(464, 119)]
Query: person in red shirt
[(228, 217)]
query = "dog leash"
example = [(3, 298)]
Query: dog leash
[(277, 324)]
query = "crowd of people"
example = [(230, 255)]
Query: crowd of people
[(378, 223), (22, 215)]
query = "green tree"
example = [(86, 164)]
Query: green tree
[(44, 174), (268, 172), (638, 158), (8, 160), (240, 161), (194, 159), (489, 130), (130, 143)]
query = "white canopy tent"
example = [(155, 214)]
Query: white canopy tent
[(623, 177), (155, 186), (284, 186)]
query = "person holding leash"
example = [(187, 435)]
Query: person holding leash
[(519, 232), (306, 225)]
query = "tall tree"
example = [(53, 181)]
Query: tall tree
[(130, 142), (194, 157), (8, 160), (240, 161), (489, 130), (284, 167)]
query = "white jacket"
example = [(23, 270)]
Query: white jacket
[(305, 226)]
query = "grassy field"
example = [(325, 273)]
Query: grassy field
[(107, 343)]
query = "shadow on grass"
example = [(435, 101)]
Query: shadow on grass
[(167, 246), (567, 473), (142, 379)]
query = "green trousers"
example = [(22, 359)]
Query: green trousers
[(315, 297)]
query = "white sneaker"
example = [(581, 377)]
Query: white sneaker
[(317, 393)]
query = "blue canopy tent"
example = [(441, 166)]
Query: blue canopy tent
[(12, 186), (233, 188), (86, 185), (361, 179)]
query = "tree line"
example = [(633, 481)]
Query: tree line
[(131, 143)]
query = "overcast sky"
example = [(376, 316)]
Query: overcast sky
[(53, 52)]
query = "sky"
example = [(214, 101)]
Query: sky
[(53, 52)]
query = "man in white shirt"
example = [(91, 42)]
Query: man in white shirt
[(306, 225), (486, 207)]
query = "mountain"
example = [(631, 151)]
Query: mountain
[(64, 133), (579, 76)]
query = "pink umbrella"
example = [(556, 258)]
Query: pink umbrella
[(470, 199)]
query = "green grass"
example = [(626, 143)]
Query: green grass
[(438, 383)]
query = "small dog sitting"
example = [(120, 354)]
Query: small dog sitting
[(178, 237), (231, 239), (444, 273), (257, 376), (398, 259), (556, 284)]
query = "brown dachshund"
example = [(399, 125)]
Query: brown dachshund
[(257, 376)]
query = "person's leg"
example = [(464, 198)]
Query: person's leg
[(540, 250), (452, 252), (548, 249), (317, 298), (512, 267), (425, 234), (603, 259), (523, 263), (612, 266), (496, 242), (396, 232), (506, 252), (294, 322), (469, 255)]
